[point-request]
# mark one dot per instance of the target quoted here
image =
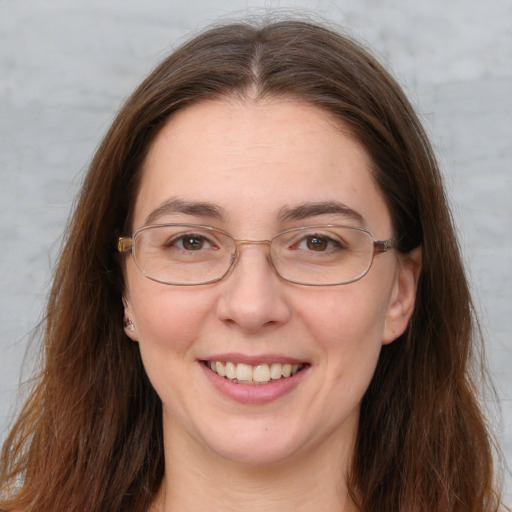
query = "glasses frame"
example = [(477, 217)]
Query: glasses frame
[(127, 244)]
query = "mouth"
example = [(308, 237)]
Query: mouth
[(257, 375)]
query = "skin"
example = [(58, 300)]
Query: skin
[(252, 159)]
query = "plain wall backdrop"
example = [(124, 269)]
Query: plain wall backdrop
[(65, 68)]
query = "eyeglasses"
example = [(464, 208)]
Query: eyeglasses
[(189, 254)]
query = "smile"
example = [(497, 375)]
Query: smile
[(240, 373)]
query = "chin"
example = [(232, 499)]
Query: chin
[(254, 445), (256, 455)]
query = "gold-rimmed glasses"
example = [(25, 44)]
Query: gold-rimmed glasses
[(190, 254)]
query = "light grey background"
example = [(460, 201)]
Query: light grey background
[(65, 68)]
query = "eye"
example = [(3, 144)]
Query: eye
[(318, 243), (315, 243), (190, 242)]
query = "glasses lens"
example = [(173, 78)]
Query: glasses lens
[(183, 254), (322, 255)]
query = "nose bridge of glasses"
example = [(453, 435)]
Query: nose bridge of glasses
[(238, 243)]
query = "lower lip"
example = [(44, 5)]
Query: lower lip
[(257, 393)]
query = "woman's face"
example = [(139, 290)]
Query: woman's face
[(245, 167)]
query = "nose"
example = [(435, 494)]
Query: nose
[(253, 297)]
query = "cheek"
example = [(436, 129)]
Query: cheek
[(348, 329), (348, 315), (169, 322), (167, 318)]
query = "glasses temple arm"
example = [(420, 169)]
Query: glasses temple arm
[(385, 245), (124, 244)]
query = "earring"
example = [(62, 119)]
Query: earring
[(129, 325)]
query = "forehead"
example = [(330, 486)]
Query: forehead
[(254, 158)]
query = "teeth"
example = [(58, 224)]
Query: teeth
[(230, 370), (259, 374), (220, 369), (243, 372), (275, 371)]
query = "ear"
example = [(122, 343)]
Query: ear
[(128, 321), (403, 296)]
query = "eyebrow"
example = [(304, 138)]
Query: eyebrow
[(213, 211), (306, 210), (196, 208)]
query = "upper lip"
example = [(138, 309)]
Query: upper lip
[(253, 359)]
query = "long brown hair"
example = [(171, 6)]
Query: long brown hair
[(89, 436)]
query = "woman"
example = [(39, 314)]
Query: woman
[(260, 303)]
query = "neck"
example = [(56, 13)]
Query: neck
[(197, 480)]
